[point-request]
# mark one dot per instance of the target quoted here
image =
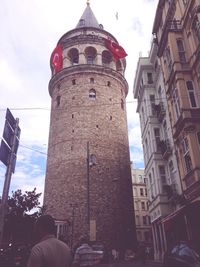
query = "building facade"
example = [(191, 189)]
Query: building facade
[(141, 206), (88, 174), (161, 168), (177, 34)]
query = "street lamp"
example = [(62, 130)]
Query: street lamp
[(91, 161)]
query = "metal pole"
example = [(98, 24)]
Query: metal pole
[(6, 187), (72, 238), (88, 187)]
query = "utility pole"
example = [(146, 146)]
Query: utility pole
[(88, 187), (11, 135)]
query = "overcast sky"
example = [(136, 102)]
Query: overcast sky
[(29, 31)]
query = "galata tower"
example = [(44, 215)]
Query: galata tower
[(88, 186)]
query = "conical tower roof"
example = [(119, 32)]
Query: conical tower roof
[(88, 19)]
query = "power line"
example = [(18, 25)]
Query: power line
[(35, 150), (89, 106)]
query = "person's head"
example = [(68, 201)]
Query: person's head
[(45, 225), (84, 239)]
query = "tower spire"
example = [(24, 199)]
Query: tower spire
[(88, 18)]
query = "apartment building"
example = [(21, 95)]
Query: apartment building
[(142, 218), (177, 34), (161, 169)]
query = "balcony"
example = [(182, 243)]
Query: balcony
[(165, 148), (160, 111), (174, 25)]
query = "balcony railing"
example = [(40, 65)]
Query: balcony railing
[(160, 111), (165, 148), (174, 25)]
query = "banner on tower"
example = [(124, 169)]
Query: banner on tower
[(56, 59), (116, 50)]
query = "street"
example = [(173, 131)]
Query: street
[(133, 264)]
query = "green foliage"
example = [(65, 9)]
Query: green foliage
[(23, 210), (20, 204)]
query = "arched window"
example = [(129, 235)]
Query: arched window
[(73, 54), (90, 54), (106, 57), (92, 94)]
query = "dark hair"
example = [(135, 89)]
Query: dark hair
[(46, 223)]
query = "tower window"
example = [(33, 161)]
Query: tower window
[(106, 57), (91, 80), (90, 54), (108, 83), (122, 104), (73, 55), (58, 100), (72, 116), (73, 81), (81, 22), (92, 94)]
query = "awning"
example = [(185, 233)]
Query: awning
[(169, 219)]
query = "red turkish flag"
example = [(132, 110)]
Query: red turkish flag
[(116, 50), (56, 58)]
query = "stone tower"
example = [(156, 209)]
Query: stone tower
[(88, 184)]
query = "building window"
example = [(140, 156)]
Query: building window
[(191, 94), (92, 94), (185, 2), (167, 58), (140, 178), (149, 78), (196, 27), (181, 50), (198, 137), (157, 138), (144, 218), (172, 172), (143, 205), (162, 174), (152, 102), (186, 155), (141, 192), (145, 191), (176, 103), (137, 218)]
